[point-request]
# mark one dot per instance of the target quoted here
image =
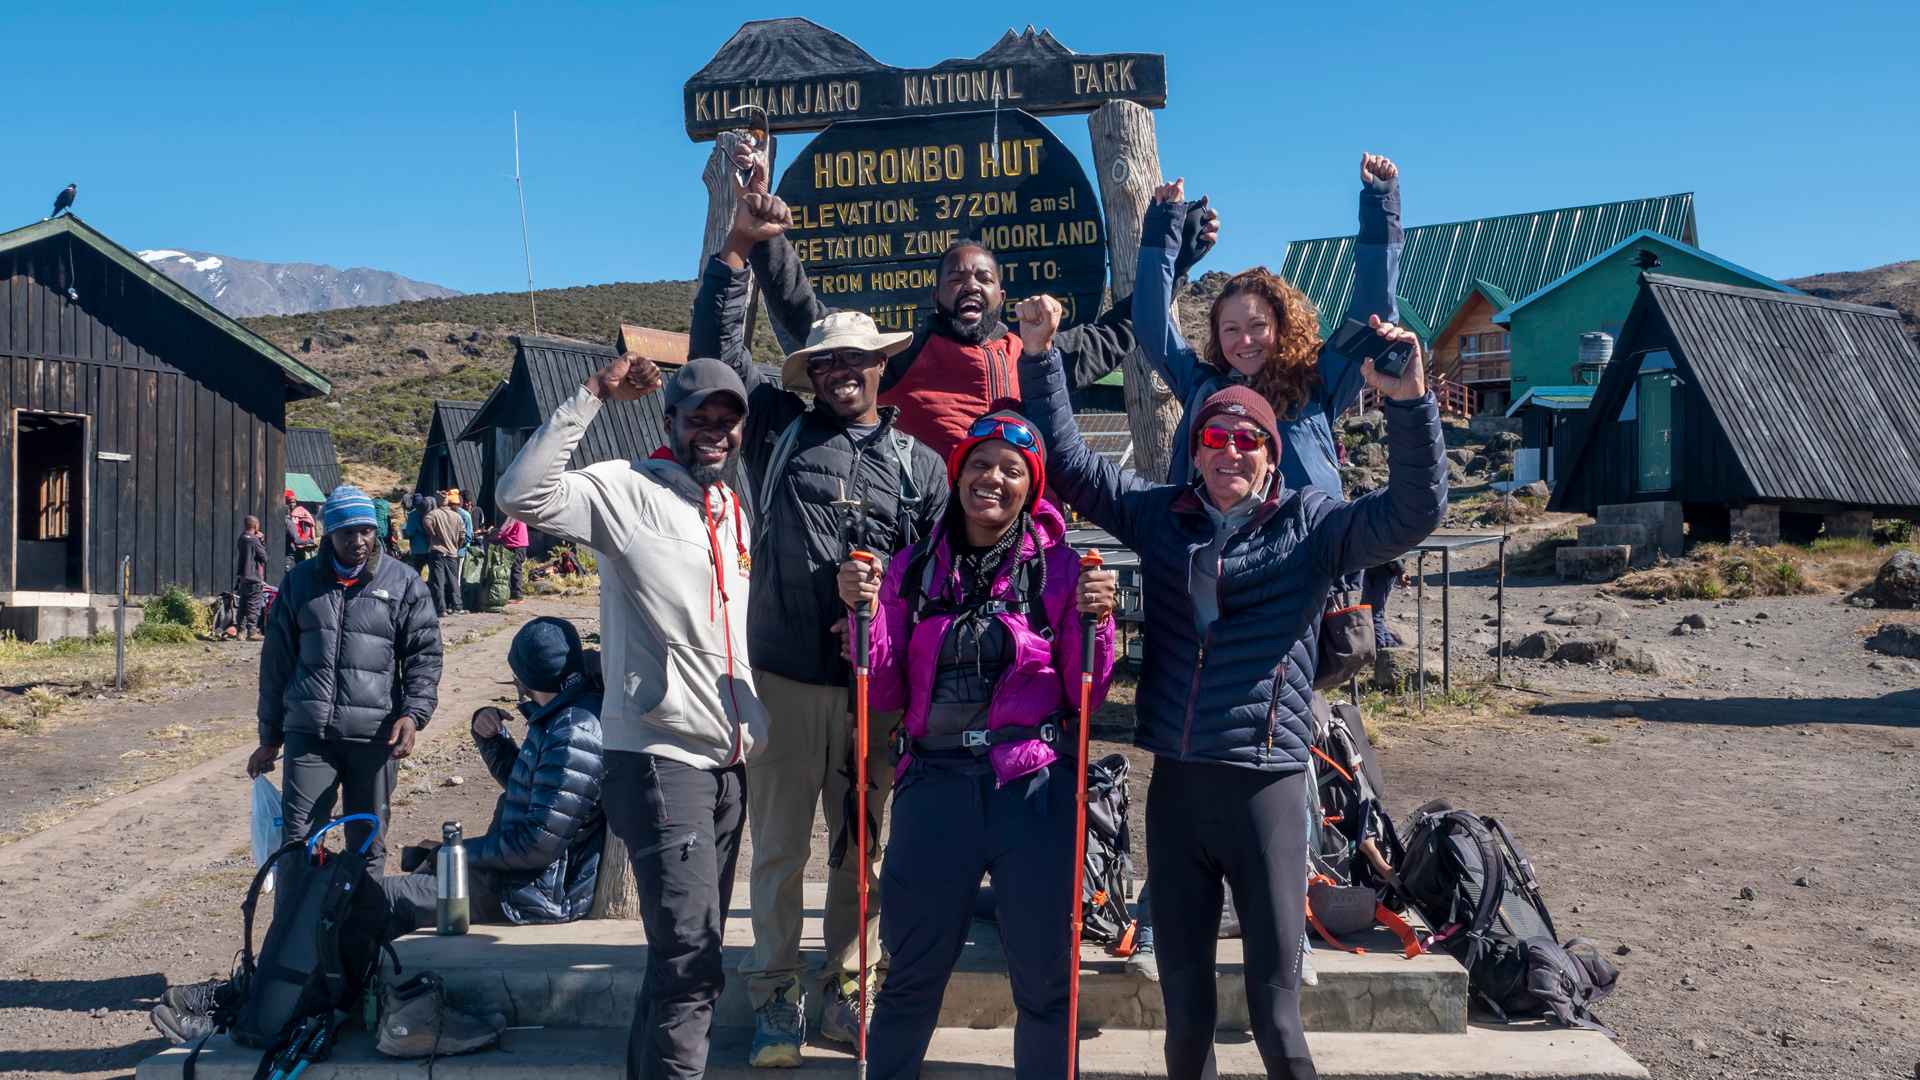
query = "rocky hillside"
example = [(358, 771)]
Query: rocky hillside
[(1895, 285), (243, 287), (389, 363)]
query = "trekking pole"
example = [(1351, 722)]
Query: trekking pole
[(861, 655), (1090, 561)]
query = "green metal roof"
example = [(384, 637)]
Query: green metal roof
[(1555, 397), (1515, 255), (1643, 236), (305, 381), (304, 489)]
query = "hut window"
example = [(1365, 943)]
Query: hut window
[(1487, 346)]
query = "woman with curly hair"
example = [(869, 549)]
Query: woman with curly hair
[(1265, 333)]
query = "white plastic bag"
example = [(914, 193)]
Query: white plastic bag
[(267, 825)]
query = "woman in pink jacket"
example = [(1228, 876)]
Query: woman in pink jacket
[(978, 640)]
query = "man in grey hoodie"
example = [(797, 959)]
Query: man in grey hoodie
[(680, 714)]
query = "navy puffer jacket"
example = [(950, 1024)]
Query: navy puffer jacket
[(341, 662), (543, 847), (1240, 693)]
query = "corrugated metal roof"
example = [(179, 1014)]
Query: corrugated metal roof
[(450, 418), (1554, 397), (1640, 237), (310, 451), (304, 488), (1108, 435), (1516, 254), (1815, 396)]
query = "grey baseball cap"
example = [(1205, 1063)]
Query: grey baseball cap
[(696, 379)]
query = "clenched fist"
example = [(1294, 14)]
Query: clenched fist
[(1039, 319), (1097, 593), (1377, 167), (628, 378)]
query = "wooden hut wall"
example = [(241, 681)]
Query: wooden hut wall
[(201, 417)]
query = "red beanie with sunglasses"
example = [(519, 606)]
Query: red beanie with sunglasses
[(1013, 428), (1238, 403)]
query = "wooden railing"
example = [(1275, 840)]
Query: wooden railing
[(1456, 399)]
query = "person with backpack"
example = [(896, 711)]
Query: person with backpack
[(349, 674), (801, 460), (959, 363), (1265, 334), (978, 636), (1236, 566), (681, 716), (303, 536)]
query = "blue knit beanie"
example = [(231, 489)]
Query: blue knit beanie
[(545, 654), (346, 507)]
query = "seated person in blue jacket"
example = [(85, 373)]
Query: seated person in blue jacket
[(539, 859), (1235, 567)]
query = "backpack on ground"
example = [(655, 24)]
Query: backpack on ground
[(1353, 848), (1477, 890), (321, 950), (1109, 862)]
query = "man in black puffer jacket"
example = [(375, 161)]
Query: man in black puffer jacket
[(538, 861), (349, 674), (1236, 568)]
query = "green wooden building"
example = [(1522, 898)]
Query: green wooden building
[(1544, 327)]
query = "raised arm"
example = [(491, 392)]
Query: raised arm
[(718, 326), (1161, 341), (1091, 351), (1386, 523), (1091, 484), (539, 489), (1376, 274)]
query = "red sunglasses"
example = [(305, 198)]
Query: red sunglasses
[(1217, 438)]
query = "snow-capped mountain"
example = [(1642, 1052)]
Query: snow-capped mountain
[(242, 287)]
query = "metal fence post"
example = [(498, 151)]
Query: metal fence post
[(120, 627)]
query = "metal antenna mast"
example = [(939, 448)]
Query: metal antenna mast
[(525, 247)]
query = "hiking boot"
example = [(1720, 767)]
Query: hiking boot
[(195, 1000), (779, 1027), (1143, 964), (416, 1022), (180, 1027), (840, 1020)]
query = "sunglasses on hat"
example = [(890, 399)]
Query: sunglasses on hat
[(1217, 438), (1013, 431)]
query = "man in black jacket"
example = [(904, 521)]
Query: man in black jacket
[(350, 672), (801, 460)]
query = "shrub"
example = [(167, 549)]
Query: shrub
[(163, 633), (1893, 531), (176, 606)]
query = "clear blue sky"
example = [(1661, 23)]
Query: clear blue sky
[(359, 136)]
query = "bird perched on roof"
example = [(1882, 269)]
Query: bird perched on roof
[(63, 201)]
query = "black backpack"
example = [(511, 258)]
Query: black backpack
[(1109, 862), (323, 947), (1354, 847), (1477, 890)]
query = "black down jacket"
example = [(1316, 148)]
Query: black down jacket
[(543, 848), (1241, 693), (341, 662), (798, 546)]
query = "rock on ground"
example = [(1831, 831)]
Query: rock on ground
[(1539, 645), (1586, 613), (1645, 660), (1897, 585), (1897, 639), (1592, 649)]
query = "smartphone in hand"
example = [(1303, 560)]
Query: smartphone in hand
[(1357, 340)]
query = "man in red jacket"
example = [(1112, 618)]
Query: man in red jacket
[(961, 362)]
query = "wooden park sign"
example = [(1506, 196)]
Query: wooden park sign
[(875, 203), (806, 77)]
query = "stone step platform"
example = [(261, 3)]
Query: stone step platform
[(1593, 564), (1637, 537), (587, 975), (1518, 1052)]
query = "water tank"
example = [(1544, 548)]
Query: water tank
[(1596, 349)]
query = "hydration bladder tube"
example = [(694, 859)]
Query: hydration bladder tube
[(314, 843)]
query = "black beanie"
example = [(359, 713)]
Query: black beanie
[(544, 653)]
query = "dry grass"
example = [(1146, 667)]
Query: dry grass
[(1469, 704), (563, 585), (46, 677), (1716, 571)]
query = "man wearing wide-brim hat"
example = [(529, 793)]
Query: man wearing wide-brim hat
[(801, 458)]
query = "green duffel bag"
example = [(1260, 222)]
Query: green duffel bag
[(497, 583)]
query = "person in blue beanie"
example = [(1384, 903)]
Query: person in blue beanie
[(349, 673)]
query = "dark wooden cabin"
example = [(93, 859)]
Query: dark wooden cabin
[(310, 450), (135, 420), (1729, 399), (448, 462)]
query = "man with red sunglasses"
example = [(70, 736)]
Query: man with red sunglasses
[(801, 460)]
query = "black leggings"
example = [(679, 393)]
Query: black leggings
[(1212, 827)]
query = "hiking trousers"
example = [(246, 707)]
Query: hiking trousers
[(682, 829), (806, 761), (1214, 827), (950, 826), (309, 768), (443, 583)]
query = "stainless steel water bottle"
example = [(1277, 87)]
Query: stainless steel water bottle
[(451, 910)]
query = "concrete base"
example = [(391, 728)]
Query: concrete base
[(1665, 523), (1592, 564), (41, 623), (588, 974), (1758, 524), (1516, 1052), (1850, 525)]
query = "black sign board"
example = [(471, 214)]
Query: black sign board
[(875, 204), (807, 77)]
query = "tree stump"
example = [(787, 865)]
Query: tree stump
[(1126, 156)]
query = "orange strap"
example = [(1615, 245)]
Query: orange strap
[(1381, 914), (1321, 754)]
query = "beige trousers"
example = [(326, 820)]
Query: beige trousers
[(805, 764)]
